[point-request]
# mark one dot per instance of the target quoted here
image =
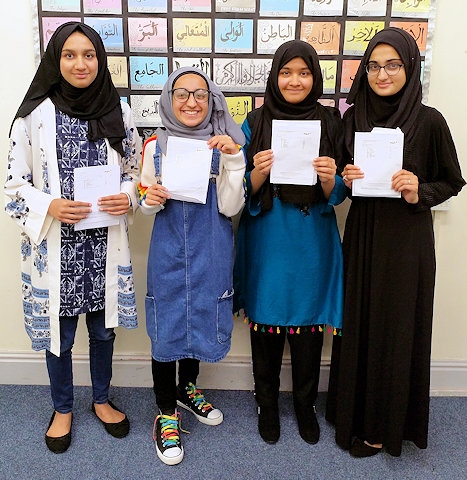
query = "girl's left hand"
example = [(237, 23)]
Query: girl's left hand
[(114, 204), (407, 183), (223, 143), (325, 168)]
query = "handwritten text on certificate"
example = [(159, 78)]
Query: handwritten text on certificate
[(379, 155), (295, 144), (92, 183)]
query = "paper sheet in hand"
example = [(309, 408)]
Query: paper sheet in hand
[(92, 183), (186, 169), (295, 144), (379, 154)]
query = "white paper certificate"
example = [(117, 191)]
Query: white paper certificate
[(92, 183), (295, 144), (379, 155), (186, 169)]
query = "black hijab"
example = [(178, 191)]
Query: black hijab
[(276, 107), (99, 103), (399, 110)]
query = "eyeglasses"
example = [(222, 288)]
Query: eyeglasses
[(182, 95), (391, 68)]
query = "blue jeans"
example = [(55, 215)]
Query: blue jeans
[(101, 342)]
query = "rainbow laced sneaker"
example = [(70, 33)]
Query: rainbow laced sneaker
[(192, 399), (166, 436)]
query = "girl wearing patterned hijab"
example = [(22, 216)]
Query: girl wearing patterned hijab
[(189, 294), (72, 117), (380, 370), (289, 261)]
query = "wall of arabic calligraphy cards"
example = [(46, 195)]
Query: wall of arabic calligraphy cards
[(231, 40)]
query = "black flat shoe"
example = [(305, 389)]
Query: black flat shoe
[(117, 430), (308, 426), (268, 424), (58, 444), (360, 449)]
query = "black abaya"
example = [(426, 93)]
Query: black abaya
[(380, 369)]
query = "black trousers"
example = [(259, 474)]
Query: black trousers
[(305, 352), (165, 381)]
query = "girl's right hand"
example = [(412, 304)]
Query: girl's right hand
[(156, 195), (351, 172), (69, 211), (262, 162)]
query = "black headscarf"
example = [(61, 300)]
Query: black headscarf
[(99, 103), (276, 107), (399, 110)]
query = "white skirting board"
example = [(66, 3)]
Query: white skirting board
[(448, 378)]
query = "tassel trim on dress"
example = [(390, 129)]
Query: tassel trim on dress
[(291, 330)]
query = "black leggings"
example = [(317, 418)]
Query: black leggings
[(164, 378), (305, 352)]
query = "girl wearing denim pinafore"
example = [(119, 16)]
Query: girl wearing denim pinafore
[(190, 263)]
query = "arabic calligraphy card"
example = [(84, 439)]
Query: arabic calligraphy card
[(411, 8), (145, 110), (147, 34), (242, 74), (418, 30), (50, 24), (364, 8), (239, 107), (202, 63), (324, 37), (233, 35), (329, 70), (118, 71), (113, 7), (191, 5), (61, 6), (147, 6), (148, 73), (272, 33), (278, 8), (238, 6), (358, 34), (349, 69), (191, 35), (111, 31), (317, 9)]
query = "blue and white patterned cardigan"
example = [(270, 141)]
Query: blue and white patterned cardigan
[(32, 183)]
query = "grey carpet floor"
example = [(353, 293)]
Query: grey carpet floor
[(232, 450)]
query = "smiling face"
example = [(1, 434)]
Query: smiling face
[(191, 113), (78, 61), (295, 80), (383, 84)]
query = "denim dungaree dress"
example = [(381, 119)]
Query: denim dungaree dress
[(189, 279)]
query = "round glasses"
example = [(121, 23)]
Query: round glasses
[(182, 95), (373, 68)]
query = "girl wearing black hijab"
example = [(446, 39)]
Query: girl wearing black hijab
[(72, 117), (380, 370), (289, 259)]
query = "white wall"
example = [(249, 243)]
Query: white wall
[(447, 93)]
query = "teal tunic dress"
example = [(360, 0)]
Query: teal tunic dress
[(288, 269)]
